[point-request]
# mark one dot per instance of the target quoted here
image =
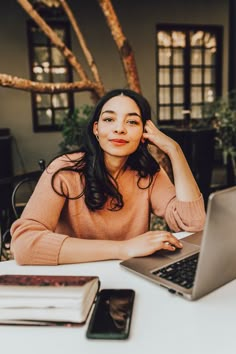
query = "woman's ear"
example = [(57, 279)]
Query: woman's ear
[(95, 128), (143, 140)]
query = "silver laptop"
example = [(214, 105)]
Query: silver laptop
[(207, 259)]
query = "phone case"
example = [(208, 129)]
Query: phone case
[(111, 317)]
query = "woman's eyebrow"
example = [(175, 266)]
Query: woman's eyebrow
[(108, 111), (130, 114), (134, 114)]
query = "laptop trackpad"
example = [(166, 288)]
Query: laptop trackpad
[(188, 248)]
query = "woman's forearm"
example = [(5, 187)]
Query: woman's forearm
[(185, 184), (77, 250), (74, 250)]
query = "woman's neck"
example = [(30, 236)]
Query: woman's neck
[(115, 166)]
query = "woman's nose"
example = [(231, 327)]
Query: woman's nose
[(119, 128)]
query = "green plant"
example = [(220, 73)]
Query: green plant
[(158, 223), (222, 113), (73, 126)]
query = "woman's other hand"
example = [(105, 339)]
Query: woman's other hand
[(157, 138), (148, 243)]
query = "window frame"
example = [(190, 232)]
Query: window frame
[(53, 127), (186, 118)]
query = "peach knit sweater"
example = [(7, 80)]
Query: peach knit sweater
[(48, 219)]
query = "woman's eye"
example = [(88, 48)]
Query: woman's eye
[(132, 122), (107, 119)]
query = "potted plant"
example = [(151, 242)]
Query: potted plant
[(222, 112), (72, 128), (223, 118)]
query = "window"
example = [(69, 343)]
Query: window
[(189, 70), (48, 64)]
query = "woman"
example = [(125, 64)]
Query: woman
[(95, 204)]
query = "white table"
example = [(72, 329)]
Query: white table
[(162, 323)]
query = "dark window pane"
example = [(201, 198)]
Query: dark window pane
[(196, 76), (164, 77), (196, 38), (45, 117), (61, 33), (178, 95), (196, 57), (60, 114), (178, 39), (41, 56), (209, 94), (196, 111), (59, 74), (210, 56), (178, 76), (43, 100), (196, 95), (178, 112), (164, 95), (40, 75), (165, 113), (164, 38), (60, 100), (164, 56), (178, 57), (209, 40), (38, 36), (209, 74), (58, 58)]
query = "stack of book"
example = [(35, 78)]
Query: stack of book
[(46, 299)]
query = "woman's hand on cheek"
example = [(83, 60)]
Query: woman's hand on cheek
[(155, 137)]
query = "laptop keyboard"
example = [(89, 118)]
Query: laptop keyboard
[(181, 272)]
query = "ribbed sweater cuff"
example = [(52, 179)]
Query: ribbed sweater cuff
[(48, 250), (191, 210)]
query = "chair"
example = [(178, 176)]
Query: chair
[(231, 169), (22, 190)]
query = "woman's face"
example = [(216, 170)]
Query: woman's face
[(119, 128)]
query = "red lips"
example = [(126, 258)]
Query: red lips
[(119, 141)]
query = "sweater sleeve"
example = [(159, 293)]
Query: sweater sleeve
[(179, 215), (34, 240)]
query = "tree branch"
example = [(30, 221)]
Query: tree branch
[(85, 84), (123, 45), (54, 38), (82, 42), (33, 86)]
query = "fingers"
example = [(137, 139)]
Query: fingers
[(150, 123), (173, 241), (168, 246), (151, 133), (148, 243), (167, 241), (149, 126)]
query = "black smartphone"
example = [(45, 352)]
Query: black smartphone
[(111, 317)]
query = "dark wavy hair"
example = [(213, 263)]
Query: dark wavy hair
[(99, 185)]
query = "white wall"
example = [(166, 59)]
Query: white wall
[(138, 20)]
